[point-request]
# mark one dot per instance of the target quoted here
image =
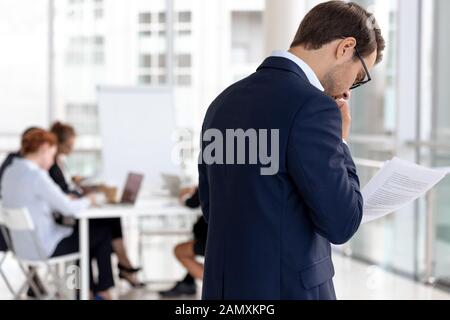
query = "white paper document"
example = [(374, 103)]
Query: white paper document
[(395, 186)]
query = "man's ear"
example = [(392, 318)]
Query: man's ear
[(345, 49)]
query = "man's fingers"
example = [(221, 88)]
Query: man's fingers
[(344, 108), (345, 111), (342, 103)]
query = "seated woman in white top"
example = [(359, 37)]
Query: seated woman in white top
[(27, 184)]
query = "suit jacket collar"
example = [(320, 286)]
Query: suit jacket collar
[(283, 64)]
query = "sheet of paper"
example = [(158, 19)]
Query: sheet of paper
[(396, 185)]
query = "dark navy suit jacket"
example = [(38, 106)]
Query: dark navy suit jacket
[(270, 237)]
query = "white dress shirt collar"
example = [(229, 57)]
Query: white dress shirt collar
[(309, 72)]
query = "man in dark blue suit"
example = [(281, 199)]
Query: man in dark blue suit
[(272, 218)]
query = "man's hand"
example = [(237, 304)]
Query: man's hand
[(186, 193), (344, 107)]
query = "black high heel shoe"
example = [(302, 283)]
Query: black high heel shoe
[(125, 274), (129, 270), (133, 283)]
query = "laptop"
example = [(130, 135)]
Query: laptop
[(131, 190), (172, 183)]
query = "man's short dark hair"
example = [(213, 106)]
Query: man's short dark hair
[(334, 20)]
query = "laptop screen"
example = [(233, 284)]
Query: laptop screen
[(132, 187)]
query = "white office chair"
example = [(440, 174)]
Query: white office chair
[(3, 232), (20, 224)]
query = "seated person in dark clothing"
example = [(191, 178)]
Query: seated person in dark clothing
[(7, 162), (66, 136), (187, 252)]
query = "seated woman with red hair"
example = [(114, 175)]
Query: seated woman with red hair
[(27, 184)]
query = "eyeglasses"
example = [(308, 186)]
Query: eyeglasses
[(369, 78)]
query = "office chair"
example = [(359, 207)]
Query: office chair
[(20, 224), (4, 251)]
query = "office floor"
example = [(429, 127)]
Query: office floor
[(353, 280)]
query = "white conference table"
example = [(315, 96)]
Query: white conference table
[(157, 206)]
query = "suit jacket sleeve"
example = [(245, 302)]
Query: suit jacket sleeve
[(322, 168), (203, 186), (193, 202), (58, 177)]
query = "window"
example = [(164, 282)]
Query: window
[(84, 163), (98, 57), (184, 80), (162, 60), (246, 37), (145, 34), (162, 17), (145, 18), (184, 33), (162, 79), (98, 13), (98, 40), (86, 50), (84, 117), (184, 60), (145, 79), (145, 61), (184, 16), (437, 151)]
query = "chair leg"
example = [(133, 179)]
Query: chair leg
[(29, 281), (58, 282), (51, 276), (3, 275), (21, 290), (48, 276), (8, 284), (62, 287), (16, 294)]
